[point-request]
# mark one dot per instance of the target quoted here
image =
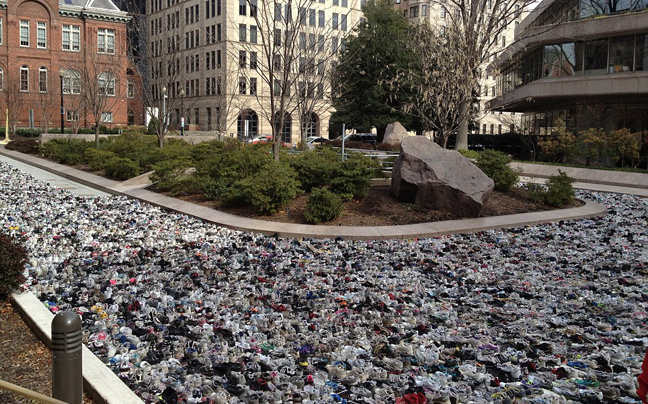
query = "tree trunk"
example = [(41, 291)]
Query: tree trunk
[(160, 141), (97, 135), (461, 141)]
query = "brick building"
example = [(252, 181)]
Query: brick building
[(71, 52)]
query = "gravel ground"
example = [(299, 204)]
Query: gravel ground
[(183, 309)]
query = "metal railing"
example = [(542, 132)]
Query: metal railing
[(21, 391)]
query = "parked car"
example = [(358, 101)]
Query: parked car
[(364, 138), (266, 139), (313, 141)]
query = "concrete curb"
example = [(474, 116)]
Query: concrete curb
[(419, 230), (103, 385)]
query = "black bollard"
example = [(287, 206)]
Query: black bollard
[(67, 375)]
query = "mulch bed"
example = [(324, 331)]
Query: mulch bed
[(24, 359), (379, 208)]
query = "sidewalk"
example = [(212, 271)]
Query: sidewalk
[(134, 189)]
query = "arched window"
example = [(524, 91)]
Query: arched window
[(106, 84), (42, 79), (252, 125), (310, 123), (71, 82), (24, 78), (1, 79)]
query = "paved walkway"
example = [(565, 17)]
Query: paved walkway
[(596, 179)]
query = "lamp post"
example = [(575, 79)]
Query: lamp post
[(164, 90), (182, 120), (61, 75)]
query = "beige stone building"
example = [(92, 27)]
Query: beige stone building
[(228, 66)]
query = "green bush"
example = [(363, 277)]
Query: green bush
[(559, 190), (142, 149), (272, 189), (27, 146), (495, 164), (172, 175), (323, 205), (97, 159), (471, 154), (315, 168), (66, 151), (352, 178), (121, 168), (25, 132), (13, 257)]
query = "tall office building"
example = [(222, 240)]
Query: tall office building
[(227, 66)]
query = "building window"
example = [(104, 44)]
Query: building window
[(242, 7), (24, 33), (414, 12), (41, 35), (424, 10), (106, 117), (106, 41), (242, 33), (253, 86), (71, 82), (24, 78), (321, 21), (334, 21), (242, 85), (343, 22), (253, 34), (106, 84), (71, 38), (1, 36), (130, 92), (71, 115), (242, 58), (1, 79), (254, 8), (42, 80), (253, 60)]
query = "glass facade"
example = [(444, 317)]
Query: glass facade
[(596, 57), (591, 8)]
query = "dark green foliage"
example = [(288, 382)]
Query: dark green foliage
[(13, 257), (323, 205), (121, 168), (471, 154), (232, 166), (271, 189), (352, 178), (174, 176), (152, 127), (142, 149), (24, 132), (495, 164), (97, 159), (28, 146), (315, 168), (66, 151), (362, 96), (559, 190)]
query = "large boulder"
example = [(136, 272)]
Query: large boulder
[(395, 133), (435, 178)]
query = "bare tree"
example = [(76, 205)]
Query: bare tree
[(103, 80), (436, 94), (481, 24), (290, 49), (13, 99), (157, 55), (45, 101)]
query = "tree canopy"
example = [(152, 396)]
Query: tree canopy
[(373, 55)]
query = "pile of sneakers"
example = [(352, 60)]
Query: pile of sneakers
[(185, 311)]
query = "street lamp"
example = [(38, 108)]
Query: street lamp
[(164, 90), (182, 120), (62, 75)]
